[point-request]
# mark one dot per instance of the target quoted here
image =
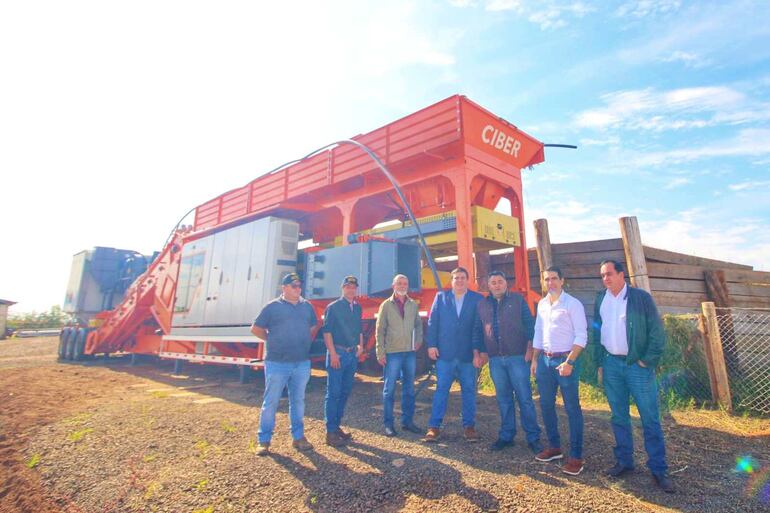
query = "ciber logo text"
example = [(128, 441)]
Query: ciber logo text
[(500, 140)]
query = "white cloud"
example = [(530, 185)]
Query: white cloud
[(690, 60), (504, 5), (677, 182), (609, 141), (749, 184), (649, 109), (548, 19), (549, 15), (643, 8), (748, 142), (703, 233), (761, 162)]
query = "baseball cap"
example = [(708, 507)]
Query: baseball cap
[(350, 280), (290, 278)]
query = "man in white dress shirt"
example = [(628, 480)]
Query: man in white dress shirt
[(560, 335)]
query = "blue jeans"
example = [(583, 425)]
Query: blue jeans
[(510, 374), (445, 376), (399, 364), (277, 376), (548, 382), (620, 382), (339, 383)]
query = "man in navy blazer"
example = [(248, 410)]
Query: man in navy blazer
[(450, 343)]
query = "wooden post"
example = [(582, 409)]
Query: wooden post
[(635, 260), (716, 288), (716, 291), (712, 342), (544, 257)]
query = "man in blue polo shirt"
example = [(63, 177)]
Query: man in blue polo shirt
[(344, 344), (287, 324)]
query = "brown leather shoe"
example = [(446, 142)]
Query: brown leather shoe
[(263, 448), (432, 435), (549, 455), (334, 439), (342, 434), (301, 444), (573, 467), (470, 434)]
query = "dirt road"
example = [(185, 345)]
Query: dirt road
[(108, 436)]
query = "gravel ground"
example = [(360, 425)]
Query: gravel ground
[(141, 439)]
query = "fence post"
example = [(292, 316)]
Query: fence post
[(716, 287), (715, 358), (635, 260), (544, 257)]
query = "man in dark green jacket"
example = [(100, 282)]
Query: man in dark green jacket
[(628, 343)]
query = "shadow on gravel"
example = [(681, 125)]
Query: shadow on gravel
[(702, 460), (334, 487)]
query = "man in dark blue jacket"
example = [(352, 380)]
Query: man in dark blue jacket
[(450, 343)]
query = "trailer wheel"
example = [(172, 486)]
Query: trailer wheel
[(78, 347), (244, 374), (72, 340), (63, 336)]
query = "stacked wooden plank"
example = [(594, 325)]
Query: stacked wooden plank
[(677, 280), (579, 262)]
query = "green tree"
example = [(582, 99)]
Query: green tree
[(53, 318)]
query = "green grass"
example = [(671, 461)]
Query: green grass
[(682, 373), (34, 461), (153, 488), (79, 420), (77, 436)]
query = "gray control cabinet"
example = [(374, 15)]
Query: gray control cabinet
[(374, 263), (226, 278)]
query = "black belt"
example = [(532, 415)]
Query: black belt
[(619, 356), (556, 355), (345, 349)]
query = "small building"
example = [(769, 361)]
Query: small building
[(4, 304)]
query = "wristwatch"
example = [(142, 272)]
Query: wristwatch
[(571, 362)]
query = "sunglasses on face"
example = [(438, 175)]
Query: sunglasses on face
[(295, 285)]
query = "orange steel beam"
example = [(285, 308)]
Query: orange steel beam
[(146, 307)]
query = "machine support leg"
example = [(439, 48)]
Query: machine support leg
[(244, 373)]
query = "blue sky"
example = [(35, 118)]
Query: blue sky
[(116, 118)]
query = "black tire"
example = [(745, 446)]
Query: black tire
[(79, 345), (63, 336), (69, 349), (245, 374)]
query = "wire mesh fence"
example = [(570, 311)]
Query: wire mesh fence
[(745, 335), (683, 378)]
